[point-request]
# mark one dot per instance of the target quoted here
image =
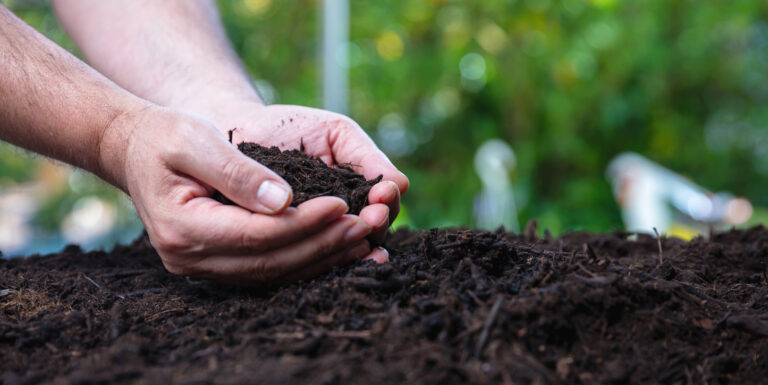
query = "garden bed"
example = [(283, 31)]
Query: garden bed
[(451, 306)]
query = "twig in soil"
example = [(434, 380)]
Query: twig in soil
[(87, 278), (590, 251), (488, 325), (450, 245), (366, 283), (300, 335), (720, 323), (229, 134), (750, 323), (358, 334), (547, 277), (124, 274), (466, 332), (5, 292), (661, 253), (530, 230), (474, 298), (584, 269), (157, 315), (154, 290)]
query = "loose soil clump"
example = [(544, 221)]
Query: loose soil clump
[(451, 307), (310, 177)]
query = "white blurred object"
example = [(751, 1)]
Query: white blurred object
[(90, 219), (17, 207), (648, 193), (335, 55), (495, 205)]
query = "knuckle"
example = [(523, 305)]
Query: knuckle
[(253, 241), (326, 247), (343, 122), (177, 269), (235, 174), (267, 270), (169, 242)]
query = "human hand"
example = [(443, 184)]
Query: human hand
[(332, 137), (170, 163)]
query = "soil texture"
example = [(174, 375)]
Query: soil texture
[(310, 177), (451, 307)]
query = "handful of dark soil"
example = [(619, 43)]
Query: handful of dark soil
[(310, 177)]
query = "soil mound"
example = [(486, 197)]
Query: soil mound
[(452, 306), (310, 177)]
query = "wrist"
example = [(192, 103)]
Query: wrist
[(114, 142), (224, 111), (216, 100)]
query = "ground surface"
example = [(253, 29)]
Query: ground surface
[(452, 306), (310, 177)]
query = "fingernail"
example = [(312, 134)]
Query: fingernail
[(357, 232), (381, 257), (272, 195), (393, 191), (384, 222)]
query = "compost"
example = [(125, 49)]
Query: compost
[(310, 177), (452, 306)]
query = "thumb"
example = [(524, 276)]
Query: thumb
[(240, 178), (353, 145)]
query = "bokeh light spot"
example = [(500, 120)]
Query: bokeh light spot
[(256, 7), (604, 4), (491, 37), (601, 35), (390, 46), (472, 66)]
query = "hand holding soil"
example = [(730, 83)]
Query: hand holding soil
[(333, 138), (261, 240)]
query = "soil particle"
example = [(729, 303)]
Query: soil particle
[(310, 177)]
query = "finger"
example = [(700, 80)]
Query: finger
[(346, 257), (276, 265), (352, 145), (377, 217), (216, 229), (238, 177), (388, 193), (378, 255)]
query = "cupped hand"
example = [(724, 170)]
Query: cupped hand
[(170, 163), (334, 138)]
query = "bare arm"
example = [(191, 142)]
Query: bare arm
[(53, 104), (172, 52)]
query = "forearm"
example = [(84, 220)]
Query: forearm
[(53, 104), (172, 52)]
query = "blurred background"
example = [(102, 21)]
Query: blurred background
[(558, 87)]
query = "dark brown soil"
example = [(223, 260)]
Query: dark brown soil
[(310, 177), (452, 306)]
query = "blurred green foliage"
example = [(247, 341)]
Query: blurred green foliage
[(568, 83)]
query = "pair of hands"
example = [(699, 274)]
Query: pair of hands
[(171, 162)]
